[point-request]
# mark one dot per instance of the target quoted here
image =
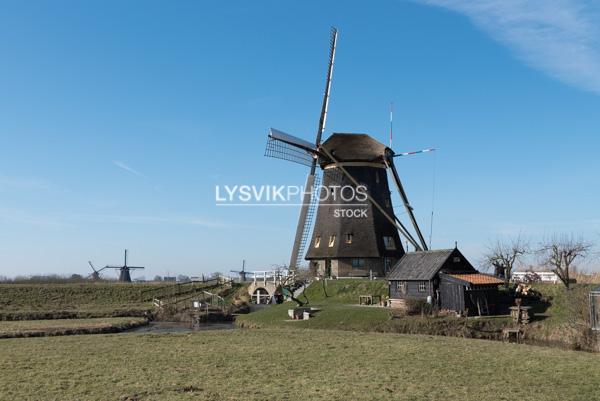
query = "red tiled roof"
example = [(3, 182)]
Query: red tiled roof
[(477, 278)]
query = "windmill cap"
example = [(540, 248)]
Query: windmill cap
[(353, 148)]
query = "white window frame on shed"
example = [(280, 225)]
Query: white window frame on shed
[(423, 286)]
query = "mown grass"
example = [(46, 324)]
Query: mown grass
[(343, 291), (290, 365), (35, 328), (338, 301), (92, 300), (338, 317), (36, 301), (374, 319)]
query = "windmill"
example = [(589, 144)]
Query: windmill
[(242, 272), (95, 275), (124, 275), (342, 242)]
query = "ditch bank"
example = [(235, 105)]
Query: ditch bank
[(63, 327)]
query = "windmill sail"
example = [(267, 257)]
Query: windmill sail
[(310, 200), (287, 147), (409, 209), (305, 220)]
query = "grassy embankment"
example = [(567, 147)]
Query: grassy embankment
[(559, 318), (84, 308), (338, 302), (88, 300), (59, 327), (63, 301), (290, 365), (562, 316)]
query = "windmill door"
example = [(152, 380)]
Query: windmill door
[(327, 268)]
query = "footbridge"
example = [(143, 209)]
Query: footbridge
[(264, 284)]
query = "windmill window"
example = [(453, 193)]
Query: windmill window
[(389, 243), (401, 287), (422, 286), (317, 242), (348, 238), (331, 241), (358, 263)]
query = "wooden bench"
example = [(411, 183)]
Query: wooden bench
[(369, 299)]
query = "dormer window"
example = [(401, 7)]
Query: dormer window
[(317, 242), (331, 241), (348, 238), (389, 242)]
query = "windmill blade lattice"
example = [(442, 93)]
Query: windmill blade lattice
[(279, 149), (309, 221)]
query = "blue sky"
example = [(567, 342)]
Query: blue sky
[(117, 120)]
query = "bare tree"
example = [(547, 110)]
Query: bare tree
[(560, 252), (503, 254)]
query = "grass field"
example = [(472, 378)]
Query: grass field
[(87, 300), (42, 301), (338, 299), (338, 303), (290, 365), (344, 291), (32, 328), (373, 319)]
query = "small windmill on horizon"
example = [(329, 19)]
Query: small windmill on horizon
[(124, 275)]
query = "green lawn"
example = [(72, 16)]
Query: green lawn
[(28, 328), (41, 301), (339, 310), (290, 365), (88, 300), (343, 291), (373, 319), (338, 301)]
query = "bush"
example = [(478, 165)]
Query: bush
[(416, 306)]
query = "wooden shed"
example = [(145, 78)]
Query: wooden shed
[(445, 278), (471, 293)]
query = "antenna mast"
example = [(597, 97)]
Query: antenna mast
[(391, 122)]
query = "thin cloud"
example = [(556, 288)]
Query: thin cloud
[(21, 183), (125, 167), (24, 217), (559, 37), (141, 219)]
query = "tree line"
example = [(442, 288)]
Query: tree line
[(560, 253)]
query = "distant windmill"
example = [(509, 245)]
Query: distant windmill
[(242, 272), (346, 245), (124, 275), (96, 272)]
